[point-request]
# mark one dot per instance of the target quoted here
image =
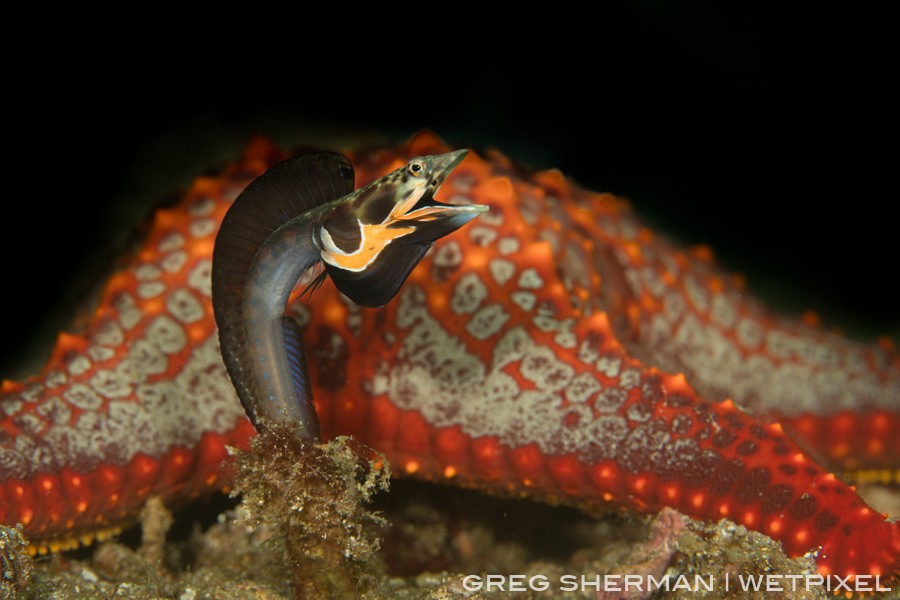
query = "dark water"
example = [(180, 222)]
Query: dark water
[(734, 126)]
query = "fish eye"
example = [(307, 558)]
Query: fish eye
[(416, 168)]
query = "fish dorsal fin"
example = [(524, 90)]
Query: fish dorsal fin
[(285, 191), (282, 193)]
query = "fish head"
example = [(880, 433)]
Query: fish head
[(379, 233)]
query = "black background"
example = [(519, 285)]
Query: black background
[(768, 134)]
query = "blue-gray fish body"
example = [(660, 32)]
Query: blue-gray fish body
[(300, 213)]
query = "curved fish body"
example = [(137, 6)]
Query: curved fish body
[(555, 349), (298, 214)]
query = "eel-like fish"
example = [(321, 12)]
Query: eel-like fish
[(299, 214), (555, 348)]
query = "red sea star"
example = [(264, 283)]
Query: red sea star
[(539, 352)]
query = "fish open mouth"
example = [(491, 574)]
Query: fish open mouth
[(427, 203), (427, 208)]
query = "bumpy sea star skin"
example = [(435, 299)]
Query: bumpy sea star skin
[(538, 352)]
